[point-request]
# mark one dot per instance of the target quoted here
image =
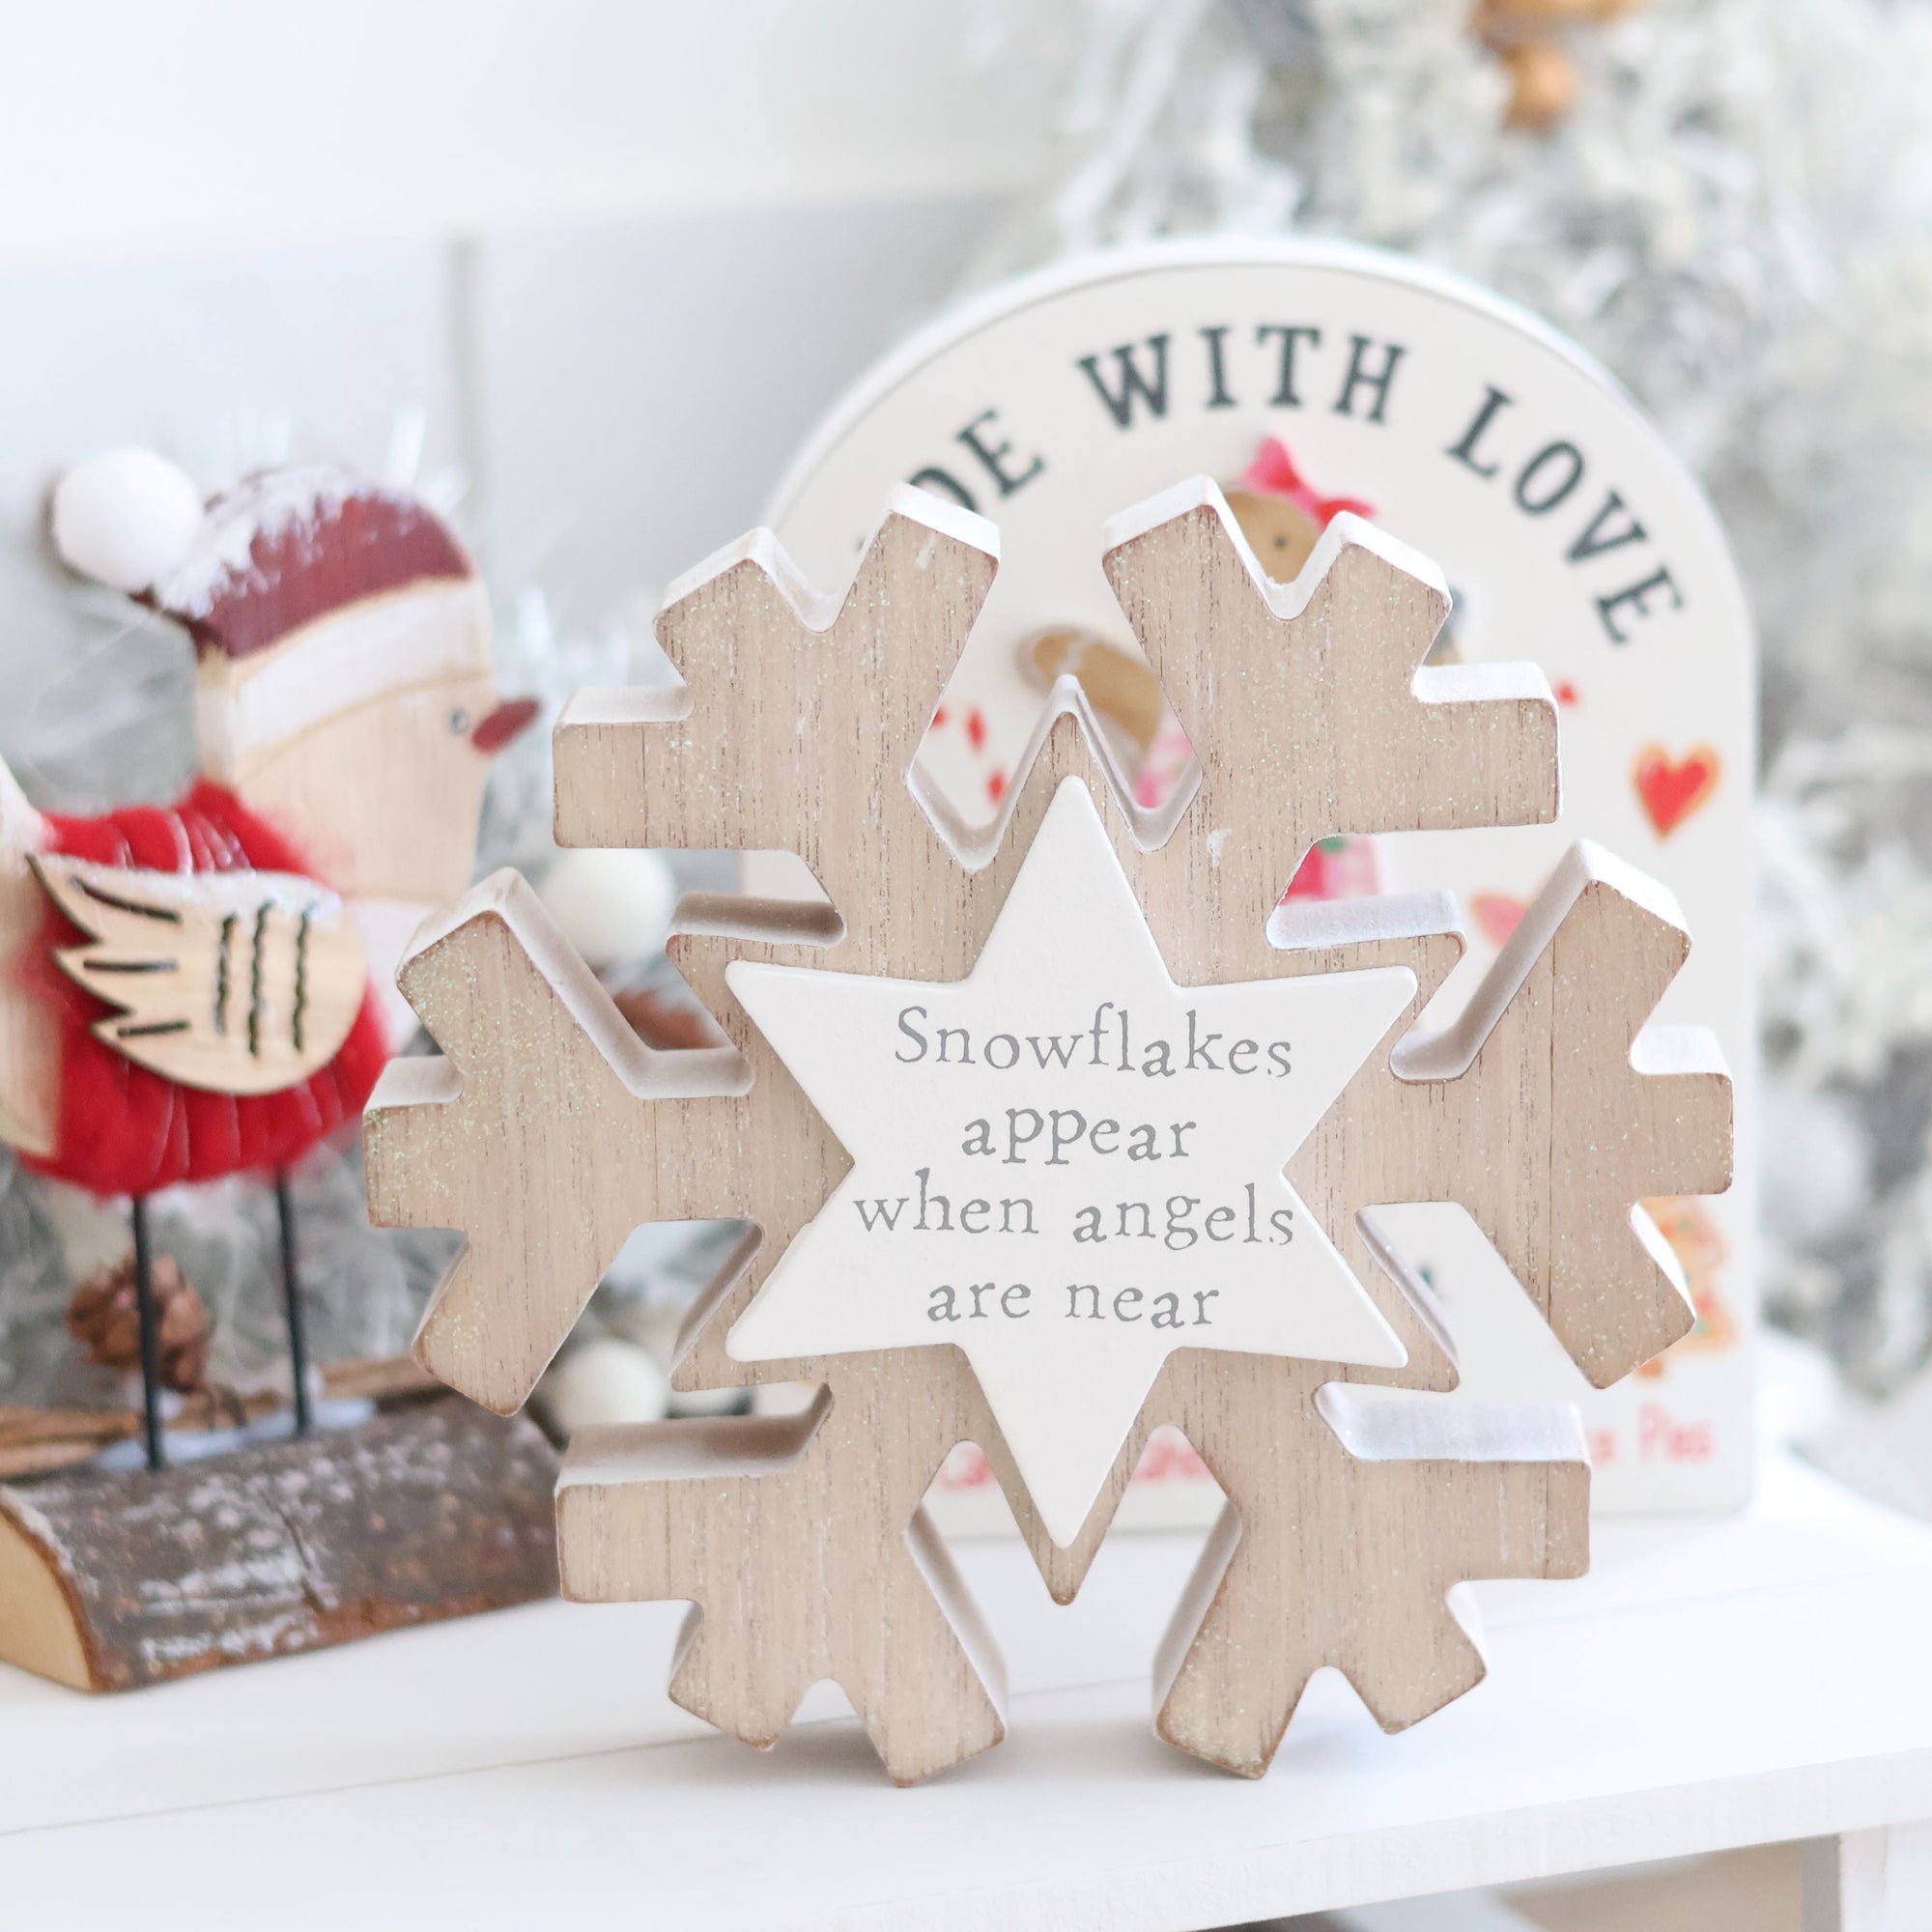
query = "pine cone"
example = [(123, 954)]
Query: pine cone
[(105, 1314)]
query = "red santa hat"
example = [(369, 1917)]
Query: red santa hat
[(305, 590)]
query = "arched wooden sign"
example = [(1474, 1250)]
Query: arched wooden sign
[(1312, 378)]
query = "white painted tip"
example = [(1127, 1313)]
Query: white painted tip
[(125, 518)]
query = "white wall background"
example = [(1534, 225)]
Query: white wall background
[(158, 122), (616, 257)]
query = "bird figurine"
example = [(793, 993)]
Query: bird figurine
[(208, 988)]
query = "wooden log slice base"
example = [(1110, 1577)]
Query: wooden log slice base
[(113, 1579)]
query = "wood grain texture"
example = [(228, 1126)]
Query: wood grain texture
[(539, 1134), (113, 1579), (668, 1511), (1342, 1548), (548, 1136), (1311, 714)]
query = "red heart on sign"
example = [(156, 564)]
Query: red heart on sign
[(1672, 789), (1497, 915)]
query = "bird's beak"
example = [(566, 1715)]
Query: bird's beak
[(492, 733)]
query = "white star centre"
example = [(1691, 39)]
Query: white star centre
[(1067, 1164)]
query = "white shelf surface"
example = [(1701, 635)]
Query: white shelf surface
[(1713, 1683)]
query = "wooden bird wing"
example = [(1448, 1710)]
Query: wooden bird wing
[(235, 982)]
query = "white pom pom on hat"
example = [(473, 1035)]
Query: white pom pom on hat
[(125, 518)]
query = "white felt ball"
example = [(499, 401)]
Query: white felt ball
[(603, 1380), (612, 906), (125, 518)]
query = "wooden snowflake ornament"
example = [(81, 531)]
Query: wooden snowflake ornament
[(1060, 1118)]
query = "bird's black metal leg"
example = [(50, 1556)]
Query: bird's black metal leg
[(151, 1336), (293, 1303)]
